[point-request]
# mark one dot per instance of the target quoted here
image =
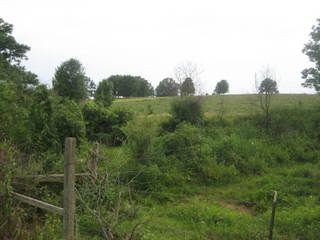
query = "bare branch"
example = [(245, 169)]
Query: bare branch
[(188, 69)]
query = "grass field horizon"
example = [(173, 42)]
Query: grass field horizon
[(235, 104)]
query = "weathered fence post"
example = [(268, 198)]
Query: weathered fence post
[(69, 205), (273, 213)]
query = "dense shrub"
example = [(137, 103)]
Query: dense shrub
[(104, 125), (186, 109), (98, 122), (14, 117), (187, 149), (43, 132), (288, 120), (174, 158), (241, 153), (68, 121), (147, 162), (142, 135)]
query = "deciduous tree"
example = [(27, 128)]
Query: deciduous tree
[(11, 55), (103, 93), (312, 50), (222, 87), (186, 70), (167, 87), (267, 88), (70, 81), (187, 87), (10, 49), (130, 86)]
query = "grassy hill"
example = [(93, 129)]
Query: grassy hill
[(234, 104)]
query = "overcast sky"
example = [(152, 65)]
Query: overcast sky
[(227, 39)]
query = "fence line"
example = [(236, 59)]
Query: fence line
[(49, 178), (273, 213), (37, 203), (69, 206)]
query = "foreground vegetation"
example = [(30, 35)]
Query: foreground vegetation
[(198, 178)]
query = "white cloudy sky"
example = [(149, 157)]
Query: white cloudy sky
[(227, 39)]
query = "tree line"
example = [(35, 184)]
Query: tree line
[(71, 81)]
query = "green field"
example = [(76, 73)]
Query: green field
[(235, 104)]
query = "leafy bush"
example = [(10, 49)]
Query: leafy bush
[(68, 121), (220, 174), (98, 121), (14, 117), (241, 153), (142, 135), (187, 149), (186, 109), (176, 158), (104, 125), (43, 133)]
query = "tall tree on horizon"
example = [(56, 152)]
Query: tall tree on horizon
[(103, 93), (222, 87), (167, 87), (312, 50), (187, 87), (186, 70), (70, 81), (267, 88), (130, 86)]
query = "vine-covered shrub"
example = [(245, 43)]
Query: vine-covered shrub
[(68, 121), (43, 132)]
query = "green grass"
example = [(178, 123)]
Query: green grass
[(218, 213), (235, 104)]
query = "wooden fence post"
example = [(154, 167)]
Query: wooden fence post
[(273, 213), (69, 205)]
